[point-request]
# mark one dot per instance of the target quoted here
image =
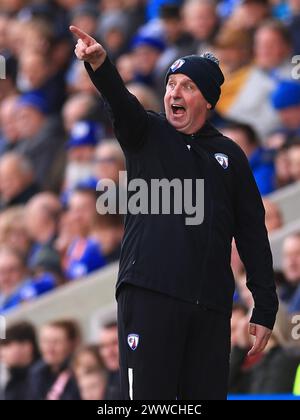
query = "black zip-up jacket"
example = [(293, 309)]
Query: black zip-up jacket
[(163, 253)]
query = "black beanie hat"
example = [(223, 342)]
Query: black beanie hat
[(205, 72)]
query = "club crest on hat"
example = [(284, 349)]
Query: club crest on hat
[(222, 159), (133, 341), (177, 64)]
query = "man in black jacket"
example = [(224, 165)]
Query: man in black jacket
[(175, 284)]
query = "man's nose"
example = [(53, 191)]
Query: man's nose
[(176, 92)]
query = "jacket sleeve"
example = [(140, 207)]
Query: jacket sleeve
[(129, 117), (253, 244)]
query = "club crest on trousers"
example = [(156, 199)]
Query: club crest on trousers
[(133, 341)]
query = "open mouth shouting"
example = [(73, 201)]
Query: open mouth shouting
[(178, 110)]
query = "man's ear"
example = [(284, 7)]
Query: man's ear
[(208, 106)]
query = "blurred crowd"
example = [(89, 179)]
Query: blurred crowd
[(56, 365), (57, 143)]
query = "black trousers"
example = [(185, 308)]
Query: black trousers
[(171, 349)]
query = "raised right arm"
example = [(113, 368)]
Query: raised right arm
[(129, 117)]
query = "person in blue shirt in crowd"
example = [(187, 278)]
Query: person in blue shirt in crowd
[(42, 215), (260, 159), (153, 7), (289, 290), (16, 286), (146, 50), (84, 254), (81, 145), (286, 101)]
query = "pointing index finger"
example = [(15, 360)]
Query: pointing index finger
[(81, 34)]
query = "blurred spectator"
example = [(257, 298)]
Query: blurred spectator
[(273, 217), (125, 67), (84, 254), (37, 36), (16, 286), (246, 90), (33, 71), (92, 385), (233, 47), (9, 133), (52, 378), (17, 180), (108, 231), (294, 160), (271, 372), (13, 232), (7, 85), (273, 49), (41, 137), (19, 351), (77, 80), (76, 108), (4, 22), (69, 5), (293, 24), (249, 14), (239, 312), (107, 5), (289, 292), (234, 50), (37, 76), (42, 214), (202, 22), (154, 6), (260, 159), (248, 99), (67, 232), (109, 351), (286, 101), (90, 373), (145, 95), (13, 278), (113, 28), (146, 51), (86, 359), (178, 41), (80, 151), (240, 364), (244, 294), (174, 30), (85, 16), (47, 269), (42, 33), (282, 166), (15, 36), (109, 160)]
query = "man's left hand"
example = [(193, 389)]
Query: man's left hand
[(262, 335)]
